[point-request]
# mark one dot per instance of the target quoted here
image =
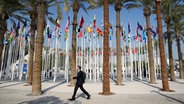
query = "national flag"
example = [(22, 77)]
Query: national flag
[(135, 37), (77, 28), (66, 35), (139, 26), (99, 31), (25, 24), (134, 50), (4, 41), (154, 33), (110, 26), (94, 22), (57, 24), (129, 28), (144, 35), (140, 38), (81, 22), (85, 33), (68, 23), (80, 34), (89, 29)]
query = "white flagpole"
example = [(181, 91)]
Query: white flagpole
[(56, 57), (140, 71), (67, 58), (94, 58), (131, 60), (98, 60), (90, 61), (125, 60), (87, 67), (12, 61)]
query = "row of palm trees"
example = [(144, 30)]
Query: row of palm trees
[(38, 9)]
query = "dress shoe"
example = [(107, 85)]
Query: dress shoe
[(88, 97), (71, 99)]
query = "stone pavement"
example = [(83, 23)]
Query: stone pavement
[(58, 93)]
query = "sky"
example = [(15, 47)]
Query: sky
[(133, 16)]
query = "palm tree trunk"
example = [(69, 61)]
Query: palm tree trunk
[(119, 67), (170, 52), (147, 14), (33, 16), (36, 87), (73, 51), (3, 27), (106, 82), (165, 83), (179, 54)]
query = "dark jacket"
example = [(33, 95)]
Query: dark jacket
[(79, 77)]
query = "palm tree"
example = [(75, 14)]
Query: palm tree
[(165, 83), (76, 5), (118, 4), (118, 7), (167, 8), (146, 5), (31, 10), (36, 83), (106, 83), (8, 11), (178, 28)]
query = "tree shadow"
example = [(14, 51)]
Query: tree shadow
[(148, 84), (179, 82), (45, 100), (49, 88), (12, 84), (179, 101)]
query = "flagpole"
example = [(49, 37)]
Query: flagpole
[(67, 58), (131, 61), (56, 57), (135, 56), (12, 61), (90, 76), (87, 67), (126, 68), (140, 69), (21, 57)]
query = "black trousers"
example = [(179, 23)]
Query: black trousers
[(82, 89)]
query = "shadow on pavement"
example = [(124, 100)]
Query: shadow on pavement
[(48, 100), (49, 88), (81, 95), (179, 101), (179, 82), (12, 85), (148, 84)]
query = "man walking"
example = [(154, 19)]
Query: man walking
[(80, 81)]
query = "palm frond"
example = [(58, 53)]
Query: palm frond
[(82, 6), (52, 20), (66, 6), (131, 6), (59, 12)]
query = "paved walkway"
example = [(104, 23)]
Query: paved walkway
[(58, 93)]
